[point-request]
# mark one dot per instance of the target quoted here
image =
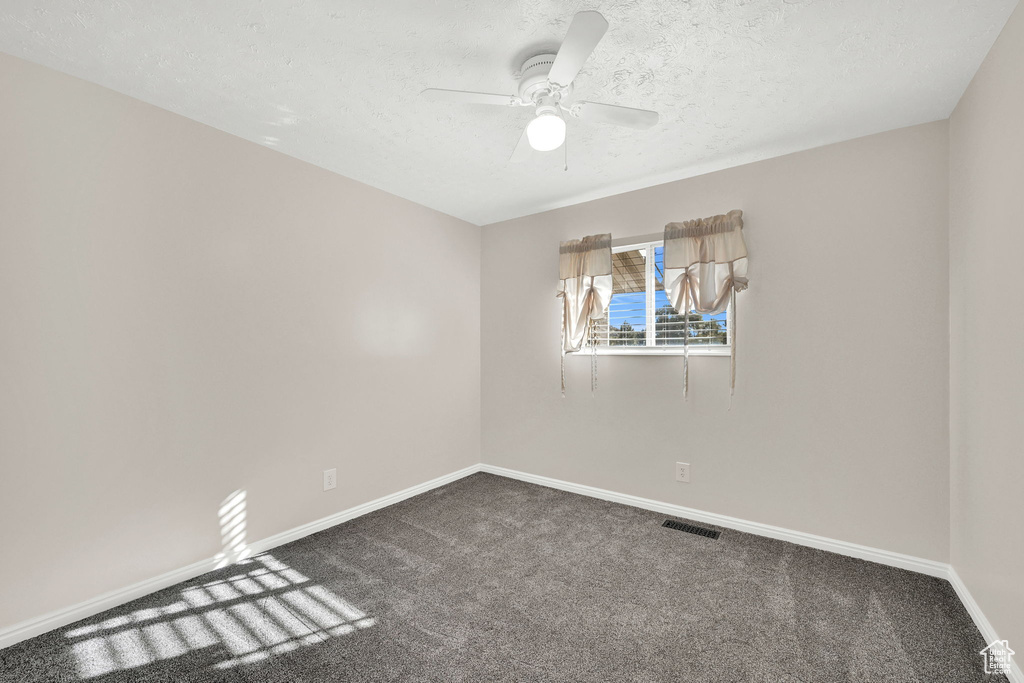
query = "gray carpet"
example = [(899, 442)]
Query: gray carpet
[(490, 579)]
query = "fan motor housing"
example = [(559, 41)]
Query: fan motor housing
[(533, 83)]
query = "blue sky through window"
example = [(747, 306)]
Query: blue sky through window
[(630, 307)]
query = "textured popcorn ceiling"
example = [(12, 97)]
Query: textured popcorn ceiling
[(336, 82)]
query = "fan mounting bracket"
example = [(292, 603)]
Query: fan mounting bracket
[(534, 83)]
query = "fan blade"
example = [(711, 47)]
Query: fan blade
[(620, 116), (464, 97), (585, 32), (522, 151)]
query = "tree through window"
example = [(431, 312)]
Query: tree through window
[(640, 315)]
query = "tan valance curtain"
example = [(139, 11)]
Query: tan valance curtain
[(585, 288), (705, 265)]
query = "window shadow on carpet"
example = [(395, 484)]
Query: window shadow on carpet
[(242, 614)]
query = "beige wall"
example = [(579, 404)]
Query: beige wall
[(183, 314), (839, 424), (987, 334)]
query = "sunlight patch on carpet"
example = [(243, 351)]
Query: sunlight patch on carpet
[(266, 609)]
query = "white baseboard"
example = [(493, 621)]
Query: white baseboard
[(941, 570), (357, 511), (56, 619), (983, 624), (886, 557), (62, 617)]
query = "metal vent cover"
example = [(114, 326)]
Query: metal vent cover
[(690, 529)]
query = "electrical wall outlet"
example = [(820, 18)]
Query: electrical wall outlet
[(330, 479), (683, 472)]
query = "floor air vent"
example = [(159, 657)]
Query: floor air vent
[(690, 529)]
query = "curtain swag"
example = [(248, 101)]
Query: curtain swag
[(585, 288), (705, 265)]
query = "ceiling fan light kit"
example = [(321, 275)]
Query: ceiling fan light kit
[(546, 84), (547, 131)]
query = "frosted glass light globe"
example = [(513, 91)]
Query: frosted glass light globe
[(546, 132)]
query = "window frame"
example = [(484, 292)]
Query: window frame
[(651, 242)]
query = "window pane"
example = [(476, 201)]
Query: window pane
[(626, 324), (670, 327)]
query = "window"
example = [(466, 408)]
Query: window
[(641, 320)]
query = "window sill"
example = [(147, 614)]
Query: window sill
[(695, 350)]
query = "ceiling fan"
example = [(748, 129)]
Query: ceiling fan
[(546, 84)]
